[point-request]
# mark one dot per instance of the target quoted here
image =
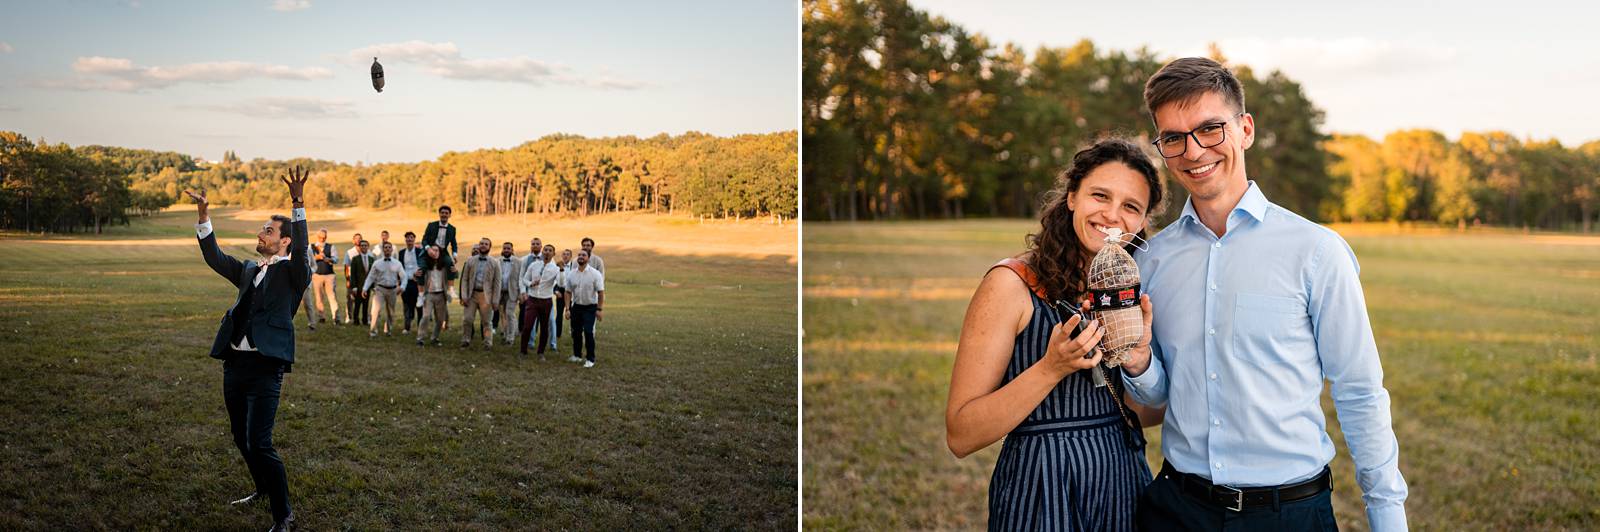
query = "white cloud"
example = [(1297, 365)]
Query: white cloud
[(293, 108), (445, 60), (5, 48), (1336, 60), (290, 5), (120, 74)]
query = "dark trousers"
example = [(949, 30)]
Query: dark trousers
[(409, 298), (583, 329), (535, 313), (359, 313), (561, 308), (522, 322), (1164, 506), (250, 387)]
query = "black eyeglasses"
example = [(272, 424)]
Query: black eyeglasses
[(1206, 136)]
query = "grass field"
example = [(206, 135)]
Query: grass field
[(1488, 340), (113, 413)]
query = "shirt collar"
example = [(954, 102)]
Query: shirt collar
[(274, 260), (1253, 203)]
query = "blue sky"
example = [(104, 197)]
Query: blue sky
[(287, 78), (1529, 67)]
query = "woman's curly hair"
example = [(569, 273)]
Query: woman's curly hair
[(1055, 253)]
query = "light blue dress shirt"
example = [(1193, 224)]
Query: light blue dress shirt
[(1246, 328)]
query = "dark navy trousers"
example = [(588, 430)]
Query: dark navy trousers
[(1164, 506), (250, 387)]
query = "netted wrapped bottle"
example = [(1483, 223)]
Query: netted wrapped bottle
[(1114, 294), (377, 75)]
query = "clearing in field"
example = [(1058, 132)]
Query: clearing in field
[(114, 413)]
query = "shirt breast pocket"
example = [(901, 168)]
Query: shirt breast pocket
[(1271, 330)]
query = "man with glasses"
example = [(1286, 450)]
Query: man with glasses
[(1253, 306)]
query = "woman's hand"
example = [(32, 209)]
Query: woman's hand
[(1066, 354), (1139, 354)]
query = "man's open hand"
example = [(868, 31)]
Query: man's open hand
[(199, 201), (297, 182)]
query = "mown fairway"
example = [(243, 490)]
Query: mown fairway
[(1488, 342), (113, 413)]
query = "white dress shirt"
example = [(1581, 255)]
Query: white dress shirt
[(585, 285), (410, 260), (386, 271), (545, 274)]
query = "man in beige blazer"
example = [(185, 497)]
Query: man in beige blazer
[(478, 288)]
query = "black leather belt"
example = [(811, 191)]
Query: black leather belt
[(390, 287), (1239, 499)]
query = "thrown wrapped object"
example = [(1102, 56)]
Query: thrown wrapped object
[(1114, 294), (377, 75)]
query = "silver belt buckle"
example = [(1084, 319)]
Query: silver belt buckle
[(1238, 498)]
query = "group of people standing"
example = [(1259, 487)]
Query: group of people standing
[(523, 299)]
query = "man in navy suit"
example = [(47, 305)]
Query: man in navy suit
[(256, 339)]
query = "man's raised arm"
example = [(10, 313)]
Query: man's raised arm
[(300, 274), (226, 266)]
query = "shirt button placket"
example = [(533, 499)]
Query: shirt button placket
[(1214, 396)]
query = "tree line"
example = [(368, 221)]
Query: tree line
[(55, 187), (907, 115)]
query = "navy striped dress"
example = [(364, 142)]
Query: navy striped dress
[(1068, 466)]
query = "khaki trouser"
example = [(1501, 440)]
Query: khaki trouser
[(477, 304), (435, 307), (322, 286), (508, 318), (383, 299)]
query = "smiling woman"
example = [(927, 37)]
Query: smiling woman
[(1026, 372)]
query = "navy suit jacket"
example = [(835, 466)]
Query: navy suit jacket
[(276, 300), (432, 233)]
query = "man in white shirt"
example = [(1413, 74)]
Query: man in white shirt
[(588, 289), (386, 276), (411, 260), (535, 252), (538, 287)]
